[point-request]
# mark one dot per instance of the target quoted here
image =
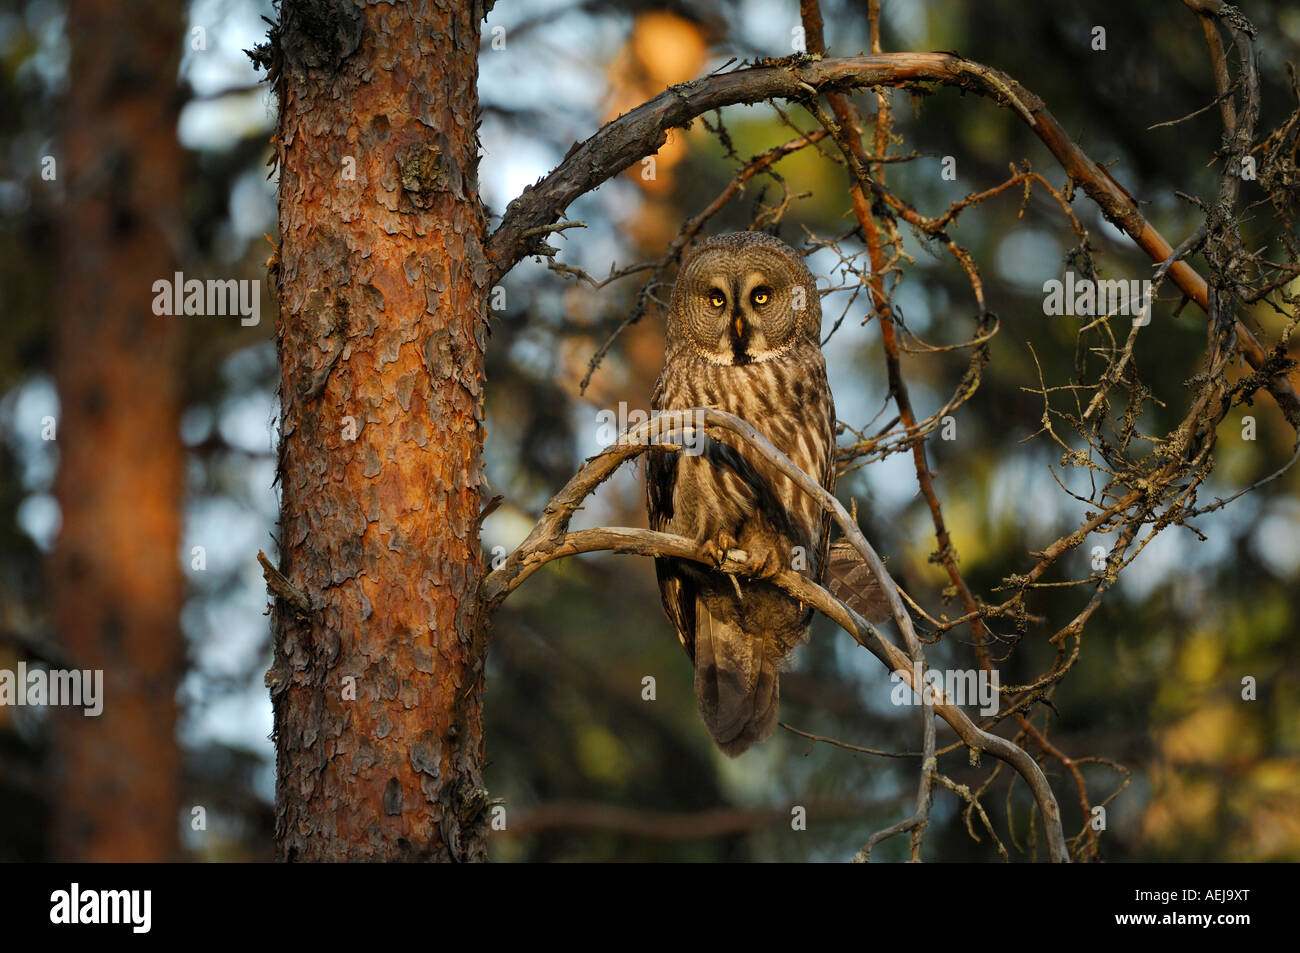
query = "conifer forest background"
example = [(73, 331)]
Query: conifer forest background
[(1104, 512)]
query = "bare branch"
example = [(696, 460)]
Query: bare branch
[(663, 825)]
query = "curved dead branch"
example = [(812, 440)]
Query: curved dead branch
[(641, 132)]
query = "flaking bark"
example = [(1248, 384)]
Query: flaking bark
[(382, 284)]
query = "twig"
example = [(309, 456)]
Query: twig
[(835, 742), (283, 588)]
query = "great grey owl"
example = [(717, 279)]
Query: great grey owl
[(744, 328)]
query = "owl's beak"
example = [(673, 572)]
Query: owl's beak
[(738, 325)]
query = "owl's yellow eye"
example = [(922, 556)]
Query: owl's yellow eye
[(717, 299), (761, 298)]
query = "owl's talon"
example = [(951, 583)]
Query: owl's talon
[(765, 564), (715, 549)]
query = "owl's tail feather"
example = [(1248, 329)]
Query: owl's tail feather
[(736, 683)]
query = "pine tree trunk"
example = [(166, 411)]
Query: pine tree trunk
[(116, 578), (382, 284)]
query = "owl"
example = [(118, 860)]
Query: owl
[(743, 336)]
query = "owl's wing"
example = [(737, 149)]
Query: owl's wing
[(851, 581), (676, 588)]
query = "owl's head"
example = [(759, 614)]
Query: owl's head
[(744, 298)]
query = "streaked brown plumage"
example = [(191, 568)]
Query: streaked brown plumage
[(743, 336)]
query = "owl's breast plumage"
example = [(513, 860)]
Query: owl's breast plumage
[(789, 402)]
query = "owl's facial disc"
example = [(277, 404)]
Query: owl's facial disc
[(744, 318)]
